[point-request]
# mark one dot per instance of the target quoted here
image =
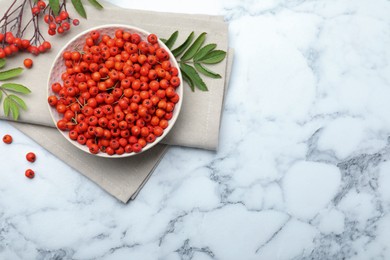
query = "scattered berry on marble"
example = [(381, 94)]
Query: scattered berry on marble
[(31, 157), (7, 139), (29, 173)]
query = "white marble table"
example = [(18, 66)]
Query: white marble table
[(302, 171)]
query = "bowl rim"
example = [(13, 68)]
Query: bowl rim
[(179, 91)]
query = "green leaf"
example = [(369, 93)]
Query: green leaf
[(163, 40), (172, 39), (6, 106), (213, 57), (1, 95), (8, 74), (19, 101), (203, 52), (188, 80), (194, 76), (55, 6), (2, 63), (179, 50), (15, 110), (79, 8), (96, 4), (206, 71), (16, 88), (194, 47)]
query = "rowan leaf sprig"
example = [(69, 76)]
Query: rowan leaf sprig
[(193, 56), (12, 103)]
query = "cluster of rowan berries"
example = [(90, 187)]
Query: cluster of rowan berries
[(14, 44), (59, 24)]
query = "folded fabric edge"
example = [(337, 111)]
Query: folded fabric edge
[(229, 67), (149, 175)]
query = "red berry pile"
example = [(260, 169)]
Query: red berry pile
[(118, 94), (60, 23)]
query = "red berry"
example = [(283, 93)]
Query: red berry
[(52, 100), (25, 44), (41, 4), (65, 26), (76, 22), (33, 50), (64, 15), (31, 157), (14, 48), (152, 38), (7, 139), (46, 18), (52, 26), (18, 42), (95, 35), (28, 63), (9, 38), (7, 51), (60, 30), (58, 20), (46, 45), (41, 49), (51, 32), (35, 10), (29, 173)]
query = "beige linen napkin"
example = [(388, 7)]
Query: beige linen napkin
[(198, 124)]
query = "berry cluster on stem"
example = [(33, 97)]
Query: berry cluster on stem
[(14, 24)]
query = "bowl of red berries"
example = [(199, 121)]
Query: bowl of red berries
[(115, 91)]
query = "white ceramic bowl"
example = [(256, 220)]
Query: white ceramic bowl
[(77, 42)]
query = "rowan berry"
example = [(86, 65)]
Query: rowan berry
[(95, 35), (51, 32), (41, 5), (57, 19), (76, 22), (152, 38), (94, 149), (136, 147), (29, 173), (60, 30), (7, 139), (28, 63), (46, 45), (63, 15), (175, 81), (75, 56), (35, 10), (65, 26), (135, 38), (157, 131), (73, 134)]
